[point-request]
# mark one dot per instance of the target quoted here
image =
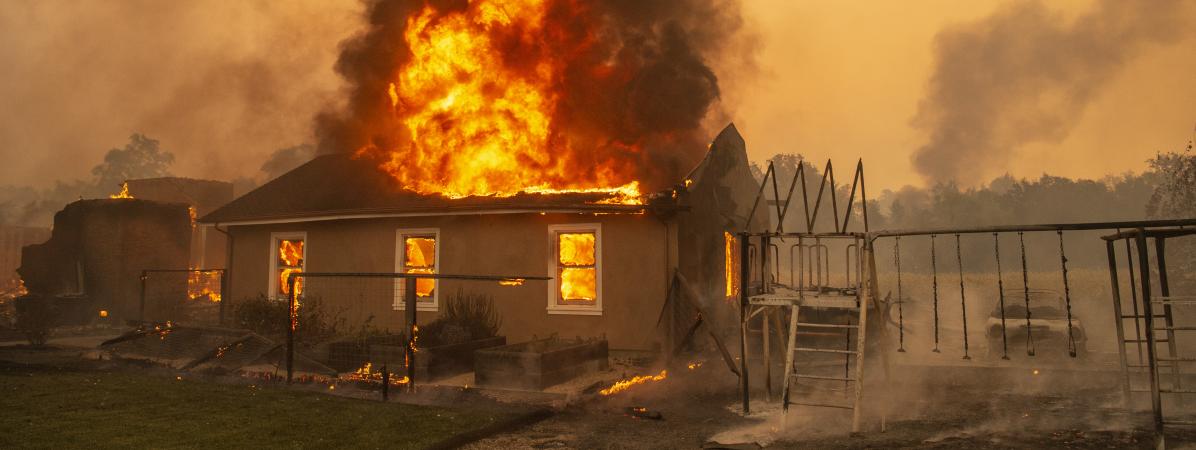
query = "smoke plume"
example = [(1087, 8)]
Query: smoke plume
[(221, 84), (1025, 75), (636, 75)]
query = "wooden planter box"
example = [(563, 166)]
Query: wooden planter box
[(435, 362), (538, 364)]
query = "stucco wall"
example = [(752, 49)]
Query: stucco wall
[(634, 273)]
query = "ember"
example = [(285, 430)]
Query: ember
[(624, 385)]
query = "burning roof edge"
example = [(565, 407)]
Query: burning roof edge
[(338, 186)]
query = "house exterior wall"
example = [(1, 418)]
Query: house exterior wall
[(635, 259)]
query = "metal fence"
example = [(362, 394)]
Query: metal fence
[(361, 325), (189, 296)]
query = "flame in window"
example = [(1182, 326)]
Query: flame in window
[(420, 257), (290, 260), (577, 273)]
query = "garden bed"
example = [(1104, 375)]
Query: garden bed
[(540, 363), (437, 362)]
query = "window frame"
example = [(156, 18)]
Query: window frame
[(272, 287), (553, 266), (400, 261)]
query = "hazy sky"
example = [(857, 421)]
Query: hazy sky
[(222, 84)]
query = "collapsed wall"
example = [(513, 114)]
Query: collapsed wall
[(719, 195), (91, 266)]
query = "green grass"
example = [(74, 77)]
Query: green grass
[(47, 408)]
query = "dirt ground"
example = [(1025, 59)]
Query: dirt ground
[(977, 404)]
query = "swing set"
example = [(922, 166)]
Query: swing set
[(764, 292)]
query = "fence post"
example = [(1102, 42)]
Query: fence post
[(385, 383), (409, 299), (141, 308), (293, 311), (745, 271)]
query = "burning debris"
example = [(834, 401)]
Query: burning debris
[(640, 412), (624, 385), (367, 374)]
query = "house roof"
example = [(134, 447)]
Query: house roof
[(338, 186)]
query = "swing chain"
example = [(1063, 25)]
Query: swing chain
[(900, 298), (963, 298), (1071, 339), (1001, 296), (1026, 291), (934, 271)]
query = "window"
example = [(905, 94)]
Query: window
[(288, 254), (576, 264), (418, 251)]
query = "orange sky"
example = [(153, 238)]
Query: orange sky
[(223, 84), (842, 80)]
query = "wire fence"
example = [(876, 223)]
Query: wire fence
[(190, 296), (363, 325)]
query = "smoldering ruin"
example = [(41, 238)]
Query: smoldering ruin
[(517, 231)]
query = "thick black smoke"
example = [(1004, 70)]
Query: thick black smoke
[(661, 52), (1025, 75)]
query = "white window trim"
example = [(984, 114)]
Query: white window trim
[(272, 287), (400, 256), (583, 310)]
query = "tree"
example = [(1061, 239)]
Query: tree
[(141, 158)]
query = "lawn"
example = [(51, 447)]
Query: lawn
[(55, 408)]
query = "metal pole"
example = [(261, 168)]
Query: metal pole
[(141, 308), (409, 300), (293, 311), (385, 383), (1115, 286), (745, 273), (1160, 249), (1156, 401), (223, 294)]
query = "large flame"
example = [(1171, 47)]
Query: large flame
[(477, 101)]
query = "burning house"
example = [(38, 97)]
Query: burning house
[(611, 254)]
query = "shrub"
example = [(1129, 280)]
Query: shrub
[(269, 317), (35, 318), (466, 316)]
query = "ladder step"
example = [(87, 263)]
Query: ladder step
[(825, 325), (1132, 341), (1168, 358), (824, 350), (1177, 391), (1180, 422), (1175, 302), (822, 405), (1188, 328), (820, 377), (1143, 366), (1131, 316)]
